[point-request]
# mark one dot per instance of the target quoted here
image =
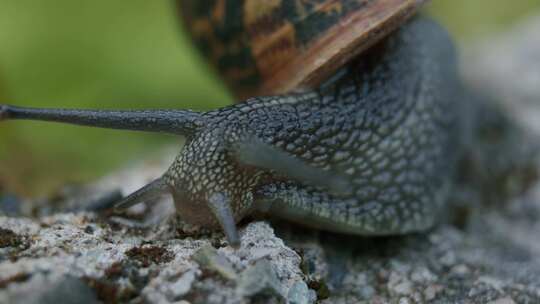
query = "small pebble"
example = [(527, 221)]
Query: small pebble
[(430, 293), (260, 278), (404, 301), (89, 229), (506, 300), (299, 293), (183, 285), (208, 257), (399, 284)]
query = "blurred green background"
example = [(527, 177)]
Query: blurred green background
[(128, 54)]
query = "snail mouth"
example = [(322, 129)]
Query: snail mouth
[(211, 213)]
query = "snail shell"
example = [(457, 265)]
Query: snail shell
[(276, 46)]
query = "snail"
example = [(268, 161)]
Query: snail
[(351, 118)]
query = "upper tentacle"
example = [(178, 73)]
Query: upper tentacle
[(180, 122)]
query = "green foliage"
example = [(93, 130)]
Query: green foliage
[(471, 18), (95, 54), (124, 54)]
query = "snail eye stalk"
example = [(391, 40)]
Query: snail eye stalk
[(179, 122), (220, 205), (148, 192)]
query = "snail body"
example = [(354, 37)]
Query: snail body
[(370, 151), (395, 150)]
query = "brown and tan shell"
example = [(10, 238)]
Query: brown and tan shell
[(265, 47)]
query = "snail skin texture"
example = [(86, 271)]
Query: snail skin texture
[(371, 152)]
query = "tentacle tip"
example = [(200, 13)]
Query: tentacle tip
[(117, 209), (235, 244), (121, 205), (4, 111), (231, 234)]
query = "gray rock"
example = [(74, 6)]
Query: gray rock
[(260, 279), (68, 289), (61, 246), (183, 285), (299, 293), (10, 204), (209, 258)]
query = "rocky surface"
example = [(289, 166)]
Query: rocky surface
[(83, 258), (491, 256), (120, 265)]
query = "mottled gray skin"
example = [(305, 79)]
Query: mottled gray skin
[(372, 152), (388, 125)]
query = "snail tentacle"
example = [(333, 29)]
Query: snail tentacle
[(179, 122), (254, 152), (150, 191), (220, 206)]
